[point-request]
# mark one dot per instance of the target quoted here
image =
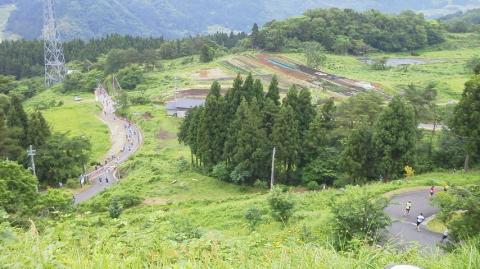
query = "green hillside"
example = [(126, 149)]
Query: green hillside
[(94, 18)]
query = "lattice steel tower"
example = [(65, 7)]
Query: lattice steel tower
[(53, 51)]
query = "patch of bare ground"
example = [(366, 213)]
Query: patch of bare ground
[(165, 135), (155, 201)]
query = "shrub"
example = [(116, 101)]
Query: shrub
[(359, 214), (221, 172), (127, 200), (319, 171), (114, 209), (184, 230), (313, 186), (240, 174), (54, 200), (409, 172), (182, 165), (260, 184), (281, 205), (253, 216)]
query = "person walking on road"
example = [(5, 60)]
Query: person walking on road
[(407, 208), (420, 219), (432, 191)]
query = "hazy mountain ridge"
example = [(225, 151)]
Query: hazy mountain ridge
[(93, 18)]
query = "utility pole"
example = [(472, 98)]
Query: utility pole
[(272, 178), (31, 152)]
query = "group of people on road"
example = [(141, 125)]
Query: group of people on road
[(421, 218)]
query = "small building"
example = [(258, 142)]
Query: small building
[(180, 106)]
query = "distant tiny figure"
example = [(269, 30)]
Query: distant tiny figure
[(106, 179), (420, 219), (432, 191), (444, 236), (60, 184), (407, 208)]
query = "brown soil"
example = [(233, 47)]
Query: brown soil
[(147, 116), (165, 135), (155, 201)]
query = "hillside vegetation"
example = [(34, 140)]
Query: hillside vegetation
[(87, 19)]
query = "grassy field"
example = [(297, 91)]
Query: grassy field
[(188, 220), (78, 118)]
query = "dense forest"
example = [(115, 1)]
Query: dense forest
[(232, 136), (463, 22), (348, 31), (24, 58)]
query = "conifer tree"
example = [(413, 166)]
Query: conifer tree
[(395, 138), (359, 157), (38, 130), (305, 110), (270, 111), (247, 88), (466, 118), (255, 36), (328, 114), (9, 144), (251, 149), (315, 140), (17, 118), (286, 137), (258, 91), (273, 91)]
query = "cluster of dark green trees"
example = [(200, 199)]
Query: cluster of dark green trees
[(349, 31), (24, 58), (58, 158), (232, 136)]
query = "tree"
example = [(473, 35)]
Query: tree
[(358, 158), (18, 119), (360, 109), (467, 116), (286, 137), (9, 143), (359, 214), (130, 76), (328, 114), (273, 91), (207, 53), (38, 130), (460, 210), (255, 36), (17, 187), (252, 150), (62, 158), (315, 54), (395, 136), (7, 83), (305, 110)]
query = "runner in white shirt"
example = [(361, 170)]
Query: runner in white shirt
[(420, 219)]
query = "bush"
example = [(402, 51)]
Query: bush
[(127, 200), (319, 171), (313, 186), (253, 217), (281, 205), (54, 200), (182, 165), (359, 214), (184, 230), (114, 209), (221, 172), (260, 184), (240, 174)]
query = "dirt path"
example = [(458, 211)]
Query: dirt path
[(126, 139), (403, 228)]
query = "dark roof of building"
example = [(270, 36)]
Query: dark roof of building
[(184, 103)]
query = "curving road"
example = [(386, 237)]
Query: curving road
[(403, 231), (126, 139)]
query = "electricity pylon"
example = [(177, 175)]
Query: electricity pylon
[(53, 51)]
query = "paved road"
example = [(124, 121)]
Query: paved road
[(403, 228), (126, 139)]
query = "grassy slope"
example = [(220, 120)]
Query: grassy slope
[(142, 236), (450, 73), (76, 118)]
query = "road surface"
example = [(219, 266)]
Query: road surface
[(403, 231), (126, 139)]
